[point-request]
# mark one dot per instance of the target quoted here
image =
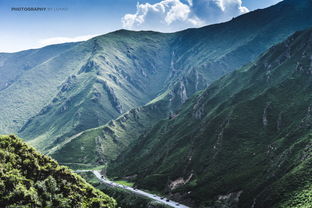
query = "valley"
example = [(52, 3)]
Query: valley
[(104, 180), (212, 117), (201, 151)]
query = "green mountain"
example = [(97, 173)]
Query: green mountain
[(24, 75), (197, 58), (119, 71), (29, 179), (243, 142), (246, 141)]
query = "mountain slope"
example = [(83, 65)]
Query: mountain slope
[(198, 57), (122, 72), (13, 65), (24, 75), (246, 140), (28, 179), (101, 145)]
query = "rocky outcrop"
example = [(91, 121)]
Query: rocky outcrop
[(265, 115), (229, 200), (88, 67), (111, 95), (179, 182)]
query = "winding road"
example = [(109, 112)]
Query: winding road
[(136, 191)]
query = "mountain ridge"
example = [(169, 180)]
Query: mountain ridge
[(198, 57), (245, 141)]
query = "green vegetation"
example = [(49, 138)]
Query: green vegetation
[(29, 179), (126, 183), (110, 75), (295, 189), (247, 137), (105, 143), (79, 166), (191, 61), (28, 81)]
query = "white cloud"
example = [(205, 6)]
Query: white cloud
[(163, 16), (215, 11), (178, 11), (171, 15), (58, 40)]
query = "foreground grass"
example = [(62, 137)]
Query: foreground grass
[(125, 183), (30, 179), (81, 166)]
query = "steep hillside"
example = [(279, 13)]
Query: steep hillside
[(29, 179), (121, 72), (198, 57), (24, 78), (14, 65), (103, 144), (244, 141)]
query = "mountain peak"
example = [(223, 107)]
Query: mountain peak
[(252, 120)]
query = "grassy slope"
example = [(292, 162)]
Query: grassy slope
[(249, 131), (96, 80), (121, 73), (199, 56), (29, 179), (28, 80), (100, 145), (13, 65)]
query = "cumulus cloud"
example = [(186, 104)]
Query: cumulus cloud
[(171, 15), (214, 11), (58, 40)]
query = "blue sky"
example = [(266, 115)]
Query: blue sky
[(74, 20)]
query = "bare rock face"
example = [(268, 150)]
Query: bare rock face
[(111, 95), (67, 85), (199, 108), (229, 200), (265, 113), (88, 67), (180, 91), (179, 182)]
